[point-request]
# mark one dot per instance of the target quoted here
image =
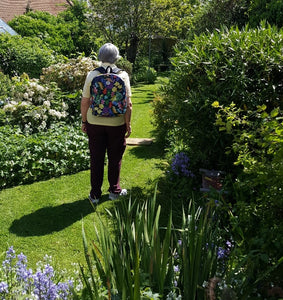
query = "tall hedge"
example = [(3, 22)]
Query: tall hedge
[(240, 66), (24, 54)]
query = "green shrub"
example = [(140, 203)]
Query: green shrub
[(225, 66), (258, 144), (54, 32), (76, 17), (124, 64), (19, 55), (5, 88), (269, 10), (148, 75), (29, 158)]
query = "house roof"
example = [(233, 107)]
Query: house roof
[(5, 28), (11, 8)]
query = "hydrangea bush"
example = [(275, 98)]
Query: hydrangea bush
[(32, 105), (71, 75)]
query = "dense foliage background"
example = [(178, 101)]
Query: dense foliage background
[(221, 108)]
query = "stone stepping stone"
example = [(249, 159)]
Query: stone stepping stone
[(139, 141)]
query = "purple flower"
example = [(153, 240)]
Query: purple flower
[(221, 253), (229, 245), (7, 263), (64, 289), (3, 287), (180, 165), (44, 286), (23, 274), (41, 284), (176, 269)]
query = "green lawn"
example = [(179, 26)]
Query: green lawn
[(46, 217)]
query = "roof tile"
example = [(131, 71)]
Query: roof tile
[(11, 8)]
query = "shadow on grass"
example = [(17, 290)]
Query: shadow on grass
[(147, 152), (51, 219)]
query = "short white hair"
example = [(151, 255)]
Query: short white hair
[(108, 53)]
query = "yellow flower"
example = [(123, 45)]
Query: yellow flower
[(215, 104)]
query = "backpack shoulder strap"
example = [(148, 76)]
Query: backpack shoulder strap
[(102, 70), (116, 70)]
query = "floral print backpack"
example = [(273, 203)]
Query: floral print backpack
[(108, 93)]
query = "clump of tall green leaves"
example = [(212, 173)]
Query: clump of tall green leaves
[(135, 255), (141, 254)]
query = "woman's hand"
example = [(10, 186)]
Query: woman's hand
[(84, 128), (128, 130)]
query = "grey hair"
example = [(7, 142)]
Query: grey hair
[(108, 53)]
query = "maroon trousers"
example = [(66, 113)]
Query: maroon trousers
[(102, 139)]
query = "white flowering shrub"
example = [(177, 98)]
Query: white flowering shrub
[(69, 76), (32, 105)]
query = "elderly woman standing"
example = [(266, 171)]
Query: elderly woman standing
[(106, 134)]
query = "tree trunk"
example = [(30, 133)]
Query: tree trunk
[(133, 48)]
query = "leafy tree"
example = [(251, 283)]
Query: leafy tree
[(213, 14), (130, 23), (173, 18), (121, 22), (76, 15)]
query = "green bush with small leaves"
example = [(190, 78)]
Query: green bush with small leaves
[(243, 66), (20, 55), (147, 75), (269, 10), (5, 88), (258, 145)]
